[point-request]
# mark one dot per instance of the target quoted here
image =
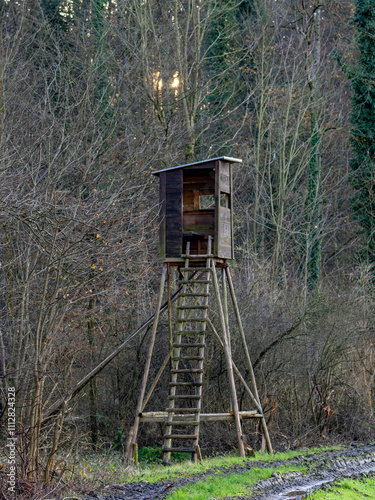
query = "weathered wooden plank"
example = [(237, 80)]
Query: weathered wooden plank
[(197, 169), (192, 220), (224, 182), (188, 199), (225, 230), (226, 251), (223, 247), (161, 416), (196, 199), (225, 215), (199, 223), (224, 177), (200, 184), (231, 209), (224, 168), (173, 215), (162, 195), (217, 209)]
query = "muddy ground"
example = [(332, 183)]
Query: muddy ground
[(323, 469)]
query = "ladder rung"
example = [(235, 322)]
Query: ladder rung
[(189, 282), (184, 396), (192, 358), (195, 294), (183, 423), (196, 269), (186, 450), (191, 320), (190, 332), (186, 344), (186, 384), (198, 256), (182, 410), (191, 307), (180, 436), (188, 370)]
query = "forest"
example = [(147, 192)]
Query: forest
[(95, 95)]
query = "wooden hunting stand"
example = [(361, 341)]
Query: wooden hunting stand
[(196, 239)]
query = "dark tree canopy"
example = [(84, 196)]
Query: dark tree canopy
[(363, 121)]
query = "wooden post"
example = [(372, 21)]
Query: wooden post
[(132, 436), (135, 454), (228, 358), (246, 387), (247, 357), (170, 326), (226, 315), (173, 376), (225, 303)]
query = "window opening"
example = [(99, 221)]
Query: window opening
[(206, 201), (224, 200)]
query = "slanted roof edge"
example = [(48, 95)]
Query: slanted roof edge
[(225, 158)]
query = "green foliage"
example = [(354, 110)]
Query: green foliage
[(52, 11), (363, 121), (225, 486), (314, 207), (119, 440), (350, 489), (152, 455)]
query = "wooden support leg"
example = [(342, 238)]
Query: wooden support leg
[(247, 357), (226, 315), (170, 325), (228, 358), (132, 436)]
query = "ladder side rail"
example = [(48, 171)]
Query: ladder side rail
[(167, 443), (202, 339)]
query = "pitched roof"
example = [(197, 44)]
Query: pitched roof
[(223, 158)]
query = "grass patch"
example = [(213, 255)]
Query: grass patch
[(92, 471), (230, 485), (158, 473), (150, 455), (349, 489)]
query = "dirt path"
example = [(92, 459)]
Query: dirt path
[(323, 468)]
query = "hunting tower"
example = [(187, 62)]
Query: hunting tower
[(196, 202), (196, 241)]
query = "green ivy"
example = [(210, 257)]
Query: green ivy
[(362, 164)]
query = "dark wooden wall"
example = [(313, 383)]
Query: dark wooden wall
[(171, 214), (186, 213)]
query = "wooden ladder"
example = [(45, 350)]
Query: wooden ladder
[(188, 347)]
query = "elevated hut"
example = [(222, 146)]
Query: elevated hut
[(196, 202)]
